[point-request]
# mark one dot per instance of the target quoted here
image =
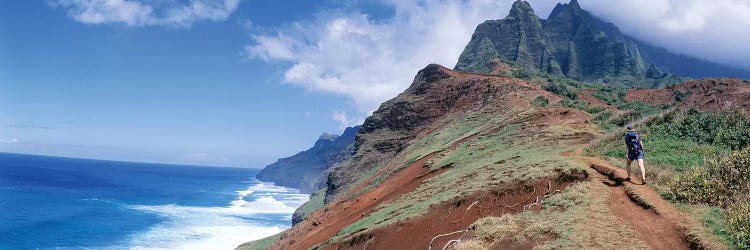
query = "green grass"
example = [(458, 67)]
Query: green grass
[(261, 244), (316, 202), (679, 154), (513, 153), (712, 218), (573, 217), (677, 145)]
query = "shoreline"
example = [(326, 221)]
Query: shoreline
[(288, 219), (221, 227)]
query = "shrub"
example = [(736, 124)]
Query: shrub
[(581, 105), (603, 117), (679, 95), (719, 182), (738, 221), (522, 73), (561, 90), (540, 101), (727, 129), (642, 108), (725, 182), (626, 117)]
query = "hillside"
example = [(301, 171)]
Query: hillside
[(306, 170), (494, 155), (462, 150), (705, 94), (481, 157), (575, 44)]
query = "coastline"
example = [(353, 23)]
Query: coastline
[(264, 239), (254, 214)]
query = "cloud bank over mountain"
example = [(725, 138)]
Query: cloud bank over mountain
[(371, 60), (711, 30)]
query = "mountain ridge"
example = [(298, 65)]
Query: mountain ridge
[(481, 160), (306, 170), (576, 44)]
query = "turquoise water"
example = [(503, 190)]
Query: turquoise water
[(65, 203)]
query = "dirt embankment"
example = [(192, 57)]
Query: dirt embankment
[(324, 224), (449, 221)]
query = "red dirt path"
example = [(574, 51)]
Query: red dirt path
[(659, 226)]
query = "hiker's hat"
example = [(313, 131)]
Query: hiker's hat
[(630, 127)]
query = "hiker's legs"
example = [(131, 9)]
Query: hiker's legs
[(643, 169), (627, 165)]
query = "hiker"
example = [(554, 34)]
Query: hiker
[(635, 152)]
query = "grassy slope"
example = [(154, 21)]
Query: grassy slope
[(315, 203), (260, 244), (666, 157), (578, 217), (514, 153)]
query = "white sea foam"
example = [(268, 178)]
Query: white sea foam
[(192, 227)]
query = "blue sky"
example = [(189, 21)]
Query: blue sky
[(157, 93), (242, 83)]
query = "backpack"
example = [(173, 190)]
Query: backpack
[(633, 141)]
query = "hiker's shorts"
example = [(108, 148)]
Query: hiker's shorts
[(637, 155)]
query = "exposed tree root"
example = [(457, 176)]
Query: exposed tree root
[(441, 235), (537, 200)]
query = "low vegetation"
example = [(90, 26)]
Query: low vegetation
[(315, 203), (491, 157), (264, 243), (612, 95), (697, 158), (566, 221), (723, 182)]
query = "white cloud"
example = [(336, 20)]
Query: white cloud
[(145, 12), (350, 54), (345, 121), (9, 141), (713, 30)]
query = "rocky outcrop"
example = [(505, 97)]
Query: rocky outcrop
[(386, 131), (434, 92), (306, 170), (575, 44)]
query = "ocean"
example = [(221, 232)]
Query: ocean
[(66, 203)]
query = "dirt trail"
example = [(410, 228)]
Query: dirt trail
[(659, 224)]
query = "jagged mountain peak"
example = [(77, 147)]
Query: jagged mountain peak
[(521, 8), (575, 44), (572, 8), (574, 4), (328, 136)]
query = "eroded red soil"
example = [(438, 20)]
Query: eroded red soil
[(454, 217), (705, 94)]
